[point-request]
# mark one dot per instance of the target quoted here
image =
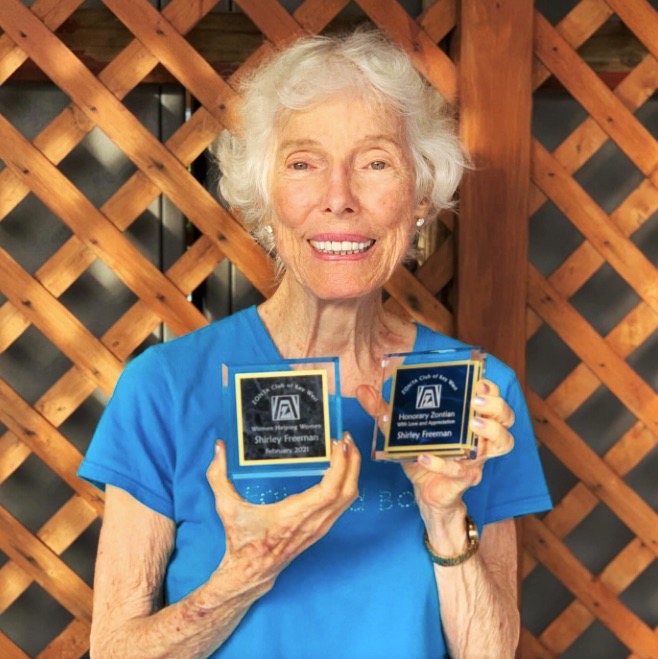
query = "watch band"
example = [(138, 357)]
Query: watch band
[(473, 545)]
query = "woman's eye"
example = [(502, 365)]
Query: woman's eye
[(300, 166), (378, 164)]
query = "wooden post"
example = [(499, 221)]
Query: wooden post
[(496, 94)]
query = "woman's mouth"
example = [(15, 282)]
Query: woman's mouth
[(342, 247)]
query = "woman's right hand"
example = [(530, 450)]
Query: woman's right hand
[(261, 540)]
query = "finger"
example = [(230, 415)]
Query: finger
[(351, 482), (493, 438), (492, 405), (494, 408), (339, 484), (338, 466), (486, 387), (217, 475)]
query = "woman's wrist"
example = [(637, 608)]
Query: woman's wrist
[(445, 530), (231, 581)]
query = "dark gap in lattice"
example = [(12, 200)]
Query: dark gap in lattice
[(32, 364), (81, 555), (555, 10), (596, 642), (609, 176), (97, 167), (601, 420), (644, 359), (605, 300), (34, 619), (598, 539), (31, 233), (642, 596), (552, 238), (559, 478), (647, 114), (159, 108), (642, 479), (554, 596), (98, 298), (34, 493), (613, 47), (79, 426), (30, 107), (554, 118), (225, 37), (151, 340), (646, 237), (550, 360)]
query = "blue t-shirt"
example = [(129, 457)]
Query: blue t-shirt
[(365, 590)]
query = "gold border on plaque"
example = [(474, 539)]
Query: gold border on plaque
[(456, 449), (279, 374)]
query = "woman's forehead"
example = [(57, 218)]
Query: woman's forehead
[(340, 118)]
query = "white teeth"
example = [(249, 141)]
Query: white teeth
[(343, 248)]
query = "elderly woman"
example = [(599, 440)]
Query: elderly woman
[(345, 152)]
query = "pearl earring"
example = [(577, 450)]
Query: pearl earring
[(420, 221)]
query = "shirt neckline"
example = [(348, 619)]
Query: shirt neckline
[(267, 349)]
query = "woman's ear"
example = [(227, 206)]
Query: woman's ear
[(422, 208)]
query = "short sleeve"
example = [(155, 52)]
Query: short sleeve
[(517, 484), (132, 447)]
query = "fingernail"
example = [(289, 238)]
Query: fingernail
[(347, 440), (424, 459), (385, 418), (478, 401), (478, 422), (334, 442), (218, 448)]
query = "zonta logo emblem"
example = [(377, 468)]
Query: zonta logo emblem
[(428, 396), (285, 408)]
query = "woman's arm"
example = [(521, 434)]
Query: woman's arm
[(478, 597), (128, 621), (136, 544)]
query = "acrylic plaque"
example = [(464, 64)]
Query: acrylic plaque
[(430, 404), (283, 416)]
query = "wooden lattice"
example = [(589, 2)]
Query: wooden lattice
[(96, 101)]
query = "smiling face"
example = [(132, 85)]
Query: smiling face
[(343, 197)]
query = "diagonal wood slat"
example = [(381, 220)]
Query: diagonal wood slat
[(71, 260), (176, 54), (600, 601), (67, 332), (46, 442), (605, 236), (120, 76), (46, 568), (595, 473), (136, 142), (123, 337), (66, 201), (613, 371), (604, 107)]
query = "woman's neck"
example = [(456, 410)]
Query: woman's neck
[(358, 331)]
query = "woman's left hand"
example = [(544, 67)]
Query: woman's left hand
[(440, 483)]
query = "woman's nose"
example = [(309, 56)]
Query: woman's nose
[(340, 198)]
